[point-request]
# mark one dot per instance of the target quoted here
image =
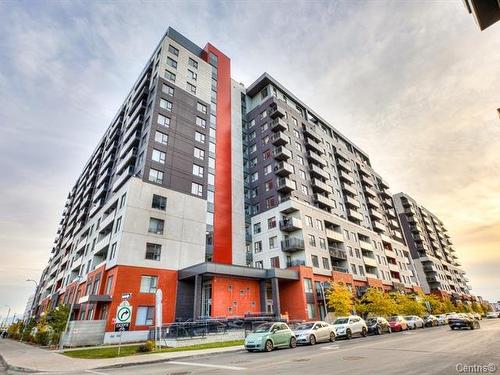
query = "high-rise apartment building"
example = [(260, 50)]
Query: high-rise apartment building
[(231, 200), (435, 259)]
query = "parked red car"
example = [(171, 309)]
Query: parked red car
[(398, 323)]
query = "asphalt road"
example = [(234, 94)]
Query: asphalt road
[(425, 351)]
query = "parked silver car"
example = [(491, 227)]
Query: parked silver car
[(414, 322), (313, 332)]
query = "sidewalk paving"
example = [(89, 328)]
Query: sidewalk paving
[(28, 358)]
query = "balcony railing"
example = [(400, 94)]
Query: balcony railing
[(337, 253), (292, 244), (290, 224)]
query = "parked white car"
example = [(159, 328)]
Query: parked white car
[(348, 326), (442, 319), (492, 314), (313, 332), (414, 322)]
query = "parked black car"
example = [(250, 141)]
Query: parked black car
[(463, 321), (378, 325)]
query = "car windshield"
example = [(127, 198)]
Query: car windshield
[(409, 317), (341, 321), (266, 327), (371, 321), (303, 327), (393, 319)]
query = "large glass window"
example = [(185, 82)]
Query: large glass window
[(156, 225), (161, 137), (149, 284), (158, 156), (155, 176), (145, 316), (153, 251), (159, 202)]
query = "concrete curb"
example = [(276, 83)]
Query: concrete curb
[(191, 356), (16, 368)]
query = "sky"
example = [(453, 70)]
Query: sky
[(415, 84)]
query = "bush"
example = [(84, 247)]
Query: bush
[(147, 347), (43, 335)]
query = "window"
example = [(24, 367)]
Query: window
[(312, 240), (149, 284), (211, 147), (253, 148), (270, 202), (326, 263), (153, 251), (171, 62), (256, 228), (275, 262), (122, 202), (257, 246), (268, 185), (361, 270), (268, 169), (199, 137), (158, 156), (201, 122), (191, 87), (259, 264), (302, 174), (145, 316), (315, 262), (322, 243), (165, 104), (118, 224), (254, 176), (173, 50), (161, 137), (309, 221), (201, 107), (109, 285), (310, 311), (113, 251), (198, 170), (163, 120), (357, 253), (169, 75), (273, 241), (353, 269), (211, 163), (167, 90), (159, 202), (193, 63), (271, 223), (253, 162), (199, 153), (319, 225), (308, 286), (346, 234), (300, 160), (192, 75), (156, 225), (155, 176), (197, 189), (304, 189), (298, 146)]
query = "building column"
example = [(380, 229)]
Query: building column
[(276, 296), (263, 294), (197, 297)]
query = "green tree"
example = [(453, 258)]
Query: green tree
[(436, 304), (57, 319), (486, 307), (477, 308), (407, 304), (375, 302), (448, 306), (340, 299)]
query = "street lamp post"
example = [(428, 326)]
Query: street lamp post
[(73, 301), (7, 318)]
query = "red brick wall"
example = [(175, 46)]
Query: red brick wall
[(226, 291)]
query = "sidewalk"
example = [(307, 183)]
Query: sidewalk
[(29, 358)]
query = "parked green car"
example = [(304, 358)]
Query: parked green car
[(268, 336)]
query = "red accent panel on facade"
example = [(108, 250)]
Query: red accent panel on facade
[(223, 177), (127, 279), (235, 297)]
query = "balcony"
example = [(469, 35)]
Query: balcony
[(128, 159), (376, 215), (135, 126), (283, 169), (394, 224), (354, 215), (310, 131), (320, 186), (101, 193), (372, 203), (138, 111), (276, 111), (416, 228), (107, 220), (282, 153), (292, 244), (340, 269), (278, 124), (285, 185), (370, 192), (132, 142), (290, 224), (352, 202), (388, 203), (344, 165), (391, 213), (280, 139), (345, 177), (315, 158), (334, 235), (120, 180), (341, 154), (102, 244), (371, 262), (336, 253), (379, 227), (104, 177), (311, 144), (431, 268), (318, 172), (321, 200), (393, 267), (349, 189), (367, 181), (365, 245), (96, 206)]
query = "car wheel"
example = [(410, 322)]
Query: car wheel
[(312, 340), (348, 334), (269, 346), (293, 343), (332, 337), (379, 331), (363, 332), (452, 328)]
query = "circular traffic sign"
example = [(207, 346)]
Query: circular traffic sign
[(123, 314)]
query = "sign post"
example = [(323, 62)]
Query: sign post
[(159, 315), (122, 320)]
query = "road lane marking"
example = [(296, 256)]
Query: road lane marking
[(331, 347), (223, 367), (95, 372)]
